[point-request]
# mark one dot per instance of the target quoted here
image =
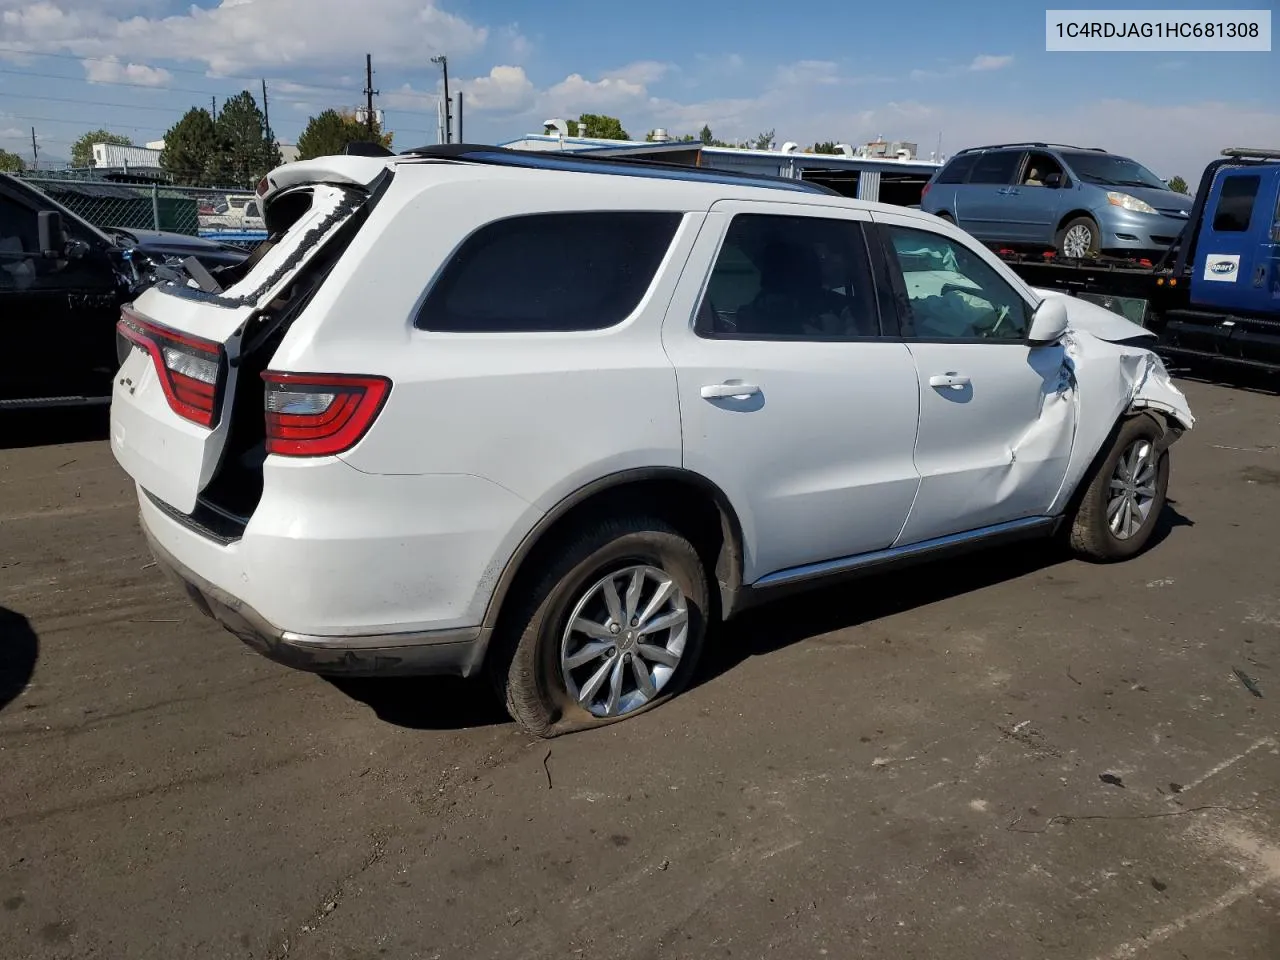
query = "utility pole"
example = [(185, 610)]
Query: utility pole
[(266, 117), (35, 151), (213, 107), (369, 94), (448, 113), (460, 140)]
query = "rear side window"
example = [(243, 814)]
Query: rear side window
[(995, 167), (549, 272), (958, 169), (1235, 203)]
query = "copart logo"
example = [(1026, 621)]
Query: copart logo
[(1223, 267)]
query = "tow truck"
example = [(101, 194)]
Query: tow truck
[(1214, 296)]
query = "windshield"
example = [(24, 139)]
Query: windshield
[(1111, 171)]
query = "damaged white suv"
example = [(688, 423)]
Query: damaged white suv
[(552, 418)]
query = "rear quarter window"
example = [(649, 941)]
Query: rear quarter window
[(549, 272), (958, 169)]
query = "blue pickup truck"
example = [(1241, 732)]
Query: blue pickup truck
[(1215, 294)]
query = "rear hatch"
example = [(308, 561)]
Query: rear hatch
[(187, 406)]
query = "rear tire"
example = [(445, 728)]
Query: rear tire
[(557, 680), (943, 215), (1079, 239), (1121, 505)]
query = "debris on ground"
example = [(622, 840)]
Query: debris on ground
[(1250, 684), (1112, 779)]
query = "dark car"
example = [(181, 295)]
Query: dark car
[(62, 282)]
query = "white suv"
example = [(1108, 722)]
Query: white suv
[(554, 417)]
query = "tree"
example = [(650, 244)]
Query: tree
[(192, 154), (11, 162), (329, 133), (247, 148), (601, 127), (82, 149), (763, 140), (705, 136), (826, 146), (1178, 185)]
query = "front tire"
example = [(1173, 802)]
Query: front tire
[(1121, 506), (614, 627)]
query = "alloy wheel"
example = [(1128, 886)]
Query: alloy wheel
[(624, 640), (1132, 491)]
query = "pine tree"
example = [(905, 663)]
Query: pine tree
[(247, 150), (192, 154), (328, 134)]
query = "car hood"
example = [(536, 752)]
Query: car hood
[(1097, 321), (164, 240)]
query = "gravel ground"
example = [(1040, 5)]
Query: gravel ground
[(1015, 756)]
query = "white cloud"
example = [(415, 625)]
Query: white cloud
[(987, 61), (112, 70), (642, 72), (575, 94), (241, 35), (822, 72), (506, 89)]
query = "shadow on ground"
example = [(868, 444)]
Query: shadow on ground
[(19, 650), (451, 703), (40, 428)]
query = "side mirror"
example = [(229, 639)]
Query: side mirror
[(1053, 180), (51, 235), (1049, 322)]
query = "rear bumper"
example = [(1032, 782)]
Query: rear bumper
[(459, 652)]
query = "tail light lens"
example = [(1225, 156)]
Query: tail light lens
[(925, 192), (319, 415), (187, 366)]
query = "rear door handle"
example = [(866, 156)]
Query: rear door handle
[(729, 390), (952, 380)]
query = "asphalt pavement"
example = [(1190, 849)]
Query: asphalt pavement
[(1017, 755)]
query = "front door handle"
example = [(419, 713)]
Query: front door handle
[(952, 380), (729, 390)]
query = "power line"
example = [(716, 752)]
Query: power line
[(186, 70)]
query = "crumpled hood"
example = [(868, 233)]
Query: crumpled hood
[(1097, 321)]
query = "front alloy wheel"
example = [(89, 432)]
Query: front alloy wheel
[(1132, 490)]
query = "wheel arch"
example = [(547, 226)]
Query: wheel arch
[(687, 500), (1078, 212), (1170, 431)]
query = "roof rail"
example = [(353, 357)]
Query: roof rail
[(1032, 143), (1250, 153), (617, 166)]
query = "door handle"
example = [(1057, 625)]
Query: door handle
[(729, 390), (952, 380)]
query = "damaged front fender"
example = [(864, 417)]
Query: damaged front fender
[(1115, 380)]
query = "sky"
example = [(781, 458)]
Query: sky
[(933, 71)]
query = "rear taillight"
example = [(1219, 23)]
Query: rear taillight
[(187, 366), (925, 192), (320, 414)]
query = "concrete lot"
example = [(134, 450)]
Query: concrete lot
[(905, 768)]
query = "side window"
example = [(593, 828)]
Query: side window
[(549, 272), (997, 166), (951, 292), (19, 245), (790, 278), (251, 210), (1039, 166), (1235, 203), (958, 169)]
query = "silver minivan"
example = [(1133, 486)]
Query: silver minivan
[(1081, 201)]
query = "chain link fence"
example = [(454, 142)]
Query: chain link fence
[(227, 214)]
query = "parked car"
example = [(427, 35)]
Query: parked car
[(62, 281), (552, 418), (1083, 202), (227, 216)]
